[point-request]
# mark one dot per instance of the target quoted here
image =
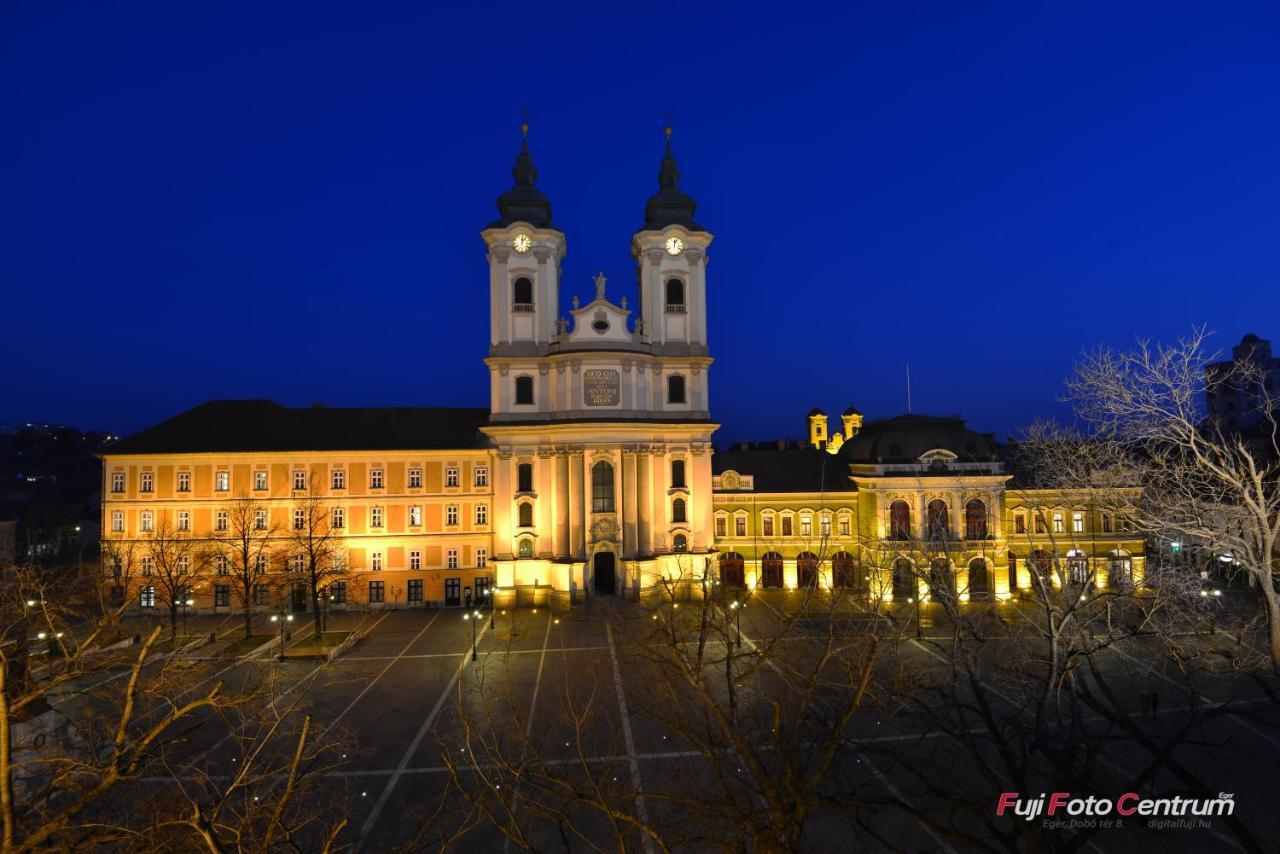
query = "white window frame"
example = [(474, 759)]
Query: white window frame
[(415, 478), (184, 481), (299, 479), (415, 559), (117, 481), (299, 519), (147, 482), (482, 514), (375, 561), (184, 520), (415, 516), (220, 520), (376, 519), (146, 521), (1077, 522), (451, 514), (117, 521), (259, 520), (739, 524), (376, 479), (338, 479), (482, 557), (451, 559), (221, 480), (1059, 526), (338, 518), (451, 476), (481, 476)]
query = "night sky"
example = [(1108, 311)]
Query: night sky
[(285, 202)]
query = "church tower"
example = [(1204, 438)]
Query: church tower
[(600, 422)]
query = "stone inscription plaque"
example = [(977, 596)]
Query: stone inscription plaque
[(600, 387)]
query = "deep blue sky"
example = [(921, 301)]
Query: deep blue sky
[(285, 202)]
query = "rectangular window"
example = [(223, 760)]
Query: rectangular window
[(222, 481), (375, 517), (377, 592), (451, 476), (452, 591), (299, 479), (786, 526), (482, 590), (220, 564), (825, 526), (524, 477), (260, 520), (184, 520), (844, 526), (338, 592), (148, 482), (260, 564), (184, 481), (1042, 527), (721, 526), (1019, 523), (147, 522), (766, 526), (117, 521), (1077, 523), (806, 526), (415, 516), (415, 591), (482, 476), (338, 479), (482, 514), (260, 479), (261, 594), (415, 478), (117, 481), (482, 557), (221, 595), (1057, 523), (183, 565), (739, 526), (451, 559), (415, 559), (375, 562), (148, 564), (451, 514), (1106, 523), (299, 519), (1125, 523), (147, 599), (338, 518), (375, 478), (220, 521)]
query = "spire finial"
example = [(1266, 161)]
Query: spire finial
[(524, 122), (666, 121)]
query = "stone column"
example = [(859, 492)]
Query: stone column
[(560, 499), (577, 512), (644, 511), (629, 503), (701, 510), (545, 518), (503, 506)]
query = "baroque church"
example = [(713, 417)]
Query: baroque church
[(592, 471)]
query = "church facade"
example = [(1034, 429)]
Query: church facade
[(590, 473)]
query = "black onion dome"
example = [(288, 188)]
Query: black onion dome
[(670, 205), (524, 202)]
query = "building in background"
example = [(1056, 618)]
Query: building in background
[(1238, 392)]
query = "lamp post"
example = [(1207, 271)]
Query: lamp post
[(737, 607), (186, 608), (282, 618), (474, 617), (918, 597), (493, 607)]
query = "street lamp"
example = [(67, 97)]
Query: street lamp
[(474, 617), (737, 607), (186, 607), (493, 607), (282, 618)]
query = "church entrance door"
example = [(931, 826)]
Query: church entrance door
[(605, 573)]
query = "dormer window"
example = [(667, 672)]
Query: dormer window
[(675, 296), (522, 295)]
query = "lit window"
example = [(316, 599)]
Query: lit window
[(375, 561), (415, 516), (451, 514), (220, 564), (117, 481), (825, 526), (260, 520), (766, 526), (338, 479), (375, 478), (184, 520), (482, 514), (415, 478), (721, 526), (375, 517), (680, 543), (220, 521), (1057, 523), (184, 481), (222, 481), (260, 479), (451, 559), (148, 564), (806, 526), (299, 479), (1077, 523), (147, 598), (117, 521), (148, 481), (482, 476), (451, 476), (146, 522), (415, 560), (844, 526), (740, 526), (482, 557), (297, 563)]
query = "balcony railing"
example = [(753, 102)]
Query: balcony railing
[(524, 307), (673, 308)]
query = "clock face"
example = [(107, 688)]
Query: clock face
[(674, 246), (521, 243)]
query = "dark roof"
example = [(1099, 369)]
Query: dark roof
[(524, 202), (670, 205), (803, 469), (264, 425), (904, 438)]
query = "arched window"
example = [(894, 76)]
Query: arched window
[(678, 512), (524, 391), (680, 544), (899, 521), (524, 477), (936, 514), (602, 487), (675, 296), (522, 295), (807, 569), (1077, 567), (525, 548), (732, 569), (904, 579), (771, 570), (675, 389), (1121, 568), (975, 520), (526, 515), (677, 474)]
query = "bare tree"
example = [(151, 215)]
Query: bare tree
[(245, 544), (310, 538), (177, 563), (1202, 483)]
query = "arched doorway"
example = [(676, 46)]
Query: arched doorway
[(942, 585), (979, 579), (604, 573), (732, 570), (842, 572), (807, 569), (1042, 568), (771, 570), (904, 579), (1120, 569)]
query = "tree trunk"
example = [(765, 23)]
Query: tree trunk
[(173, 624), (1271, 601), (248, 617)]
